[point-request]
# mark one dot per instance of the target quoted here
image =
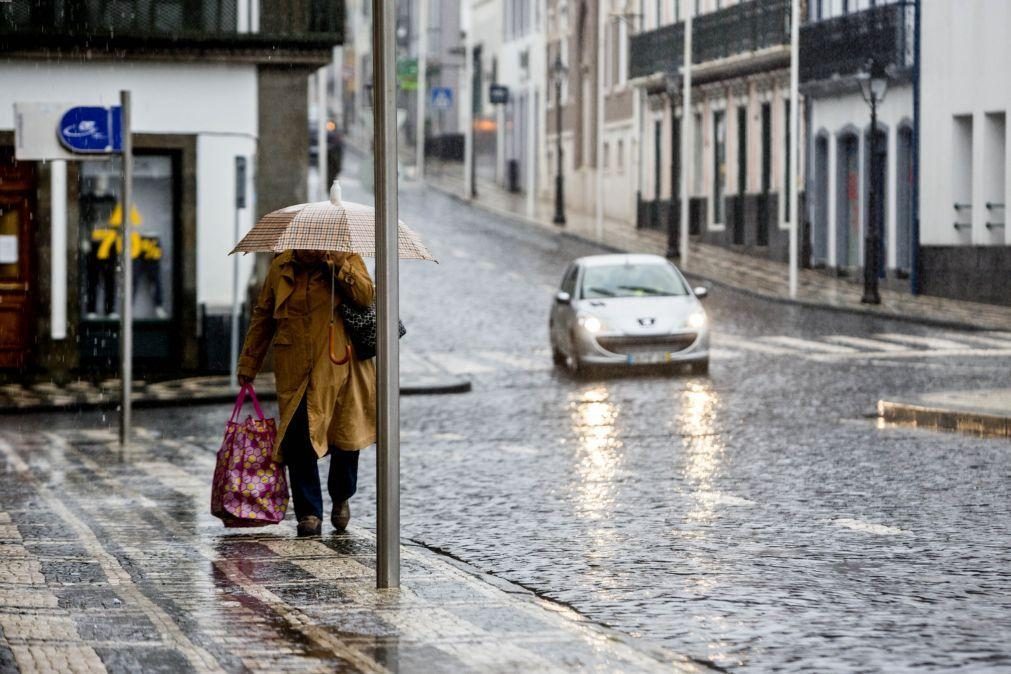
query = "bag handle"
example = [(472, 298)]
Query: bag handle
[(241, 399)]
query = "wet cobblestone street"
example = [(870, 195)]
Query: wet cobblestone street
[(756, 519)]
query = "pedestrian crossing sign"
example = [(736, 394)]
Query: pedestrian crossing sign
[(442, 98)]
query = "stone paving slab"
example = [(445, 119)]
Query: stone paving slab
[(762, 277), (110, 561), (983, 412), (418, 377)]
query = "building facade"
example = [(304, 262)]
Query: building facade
[(204, 86), (738, 168), (965, 243)]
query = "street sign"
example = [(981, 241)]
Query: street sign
[(35, 137), (90, 129), (407, 74), (498, 94), (442, 98)]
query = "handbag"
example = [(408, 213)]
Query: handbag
[(249, 488), (360, 324)]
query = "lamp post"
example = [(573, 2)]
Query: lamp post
[(558, 72), (873, 86), (673, 249)]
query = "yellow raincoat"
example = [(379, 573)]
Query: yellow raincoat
[(293, 311)]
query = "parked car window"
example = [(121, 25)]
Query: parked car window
[(622, 280)]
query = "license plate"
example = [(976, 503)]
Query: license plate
[(648, 358)]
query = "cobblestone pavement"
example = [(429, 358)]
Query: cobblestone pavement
[(766, 278), (759, 518), (110, 562)]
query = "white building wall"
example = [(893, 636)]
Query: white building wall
[(838, 116), (216, 102), (966, 61)]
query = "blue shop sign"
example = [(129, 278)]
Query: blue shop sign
[(92, 129)]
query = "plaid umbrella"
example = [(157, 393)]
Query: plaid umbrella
[(327, 225)]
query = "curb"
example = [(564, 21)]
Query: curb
[(857, 311), (435, 387), (941, 419)]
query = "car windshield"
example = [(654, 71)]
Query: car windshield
[(631, 280)]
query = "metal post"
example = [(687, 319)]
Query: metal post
[(240, 203), (58, 248), (559, 218), (870, 295), (322, 114), (599, 181), (126, 287), (467, 103), (387, 300), (914, 263), (672, 233), (794, 131), (687, 131), (419, 134)]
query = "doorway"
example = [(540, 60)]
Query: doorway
[(848, 202), (820, 204), (904, 201), (17, 283)]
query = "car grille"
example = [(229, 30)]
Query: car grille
[(633, 344)]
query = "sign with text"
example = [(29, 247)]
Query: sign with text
[(498, 94)]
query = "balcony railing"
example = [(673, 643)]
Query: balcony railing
[(95, 23), (740, 29), (842, 45)]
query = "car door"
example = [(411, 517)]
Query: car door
[(562, 314)]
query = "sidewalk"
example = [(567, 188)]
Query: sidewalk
[(764, 278), (984, 412), (111, 562), (418, 376)]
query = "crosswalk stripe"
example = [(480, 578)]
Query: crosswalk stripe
[(719, 353), (517, 360), (456, 364), (918, 340), (809, 345), (985, 338), (750, 345), (864, 343)]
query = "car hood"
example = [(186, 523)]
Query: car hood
[(641, 315)]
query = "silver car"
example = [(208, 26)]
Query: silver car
[(628, 310)]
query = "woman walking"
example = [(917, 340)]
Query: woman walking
[(325, 406)]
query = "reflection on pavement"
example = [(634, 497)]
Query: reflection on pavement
[(703, 448)]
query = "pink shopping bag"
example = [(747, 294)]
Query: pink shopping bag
[(249, 488)]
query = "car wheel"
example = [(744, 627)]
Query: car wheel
[(700, 367), (557, 357), (572, 362)]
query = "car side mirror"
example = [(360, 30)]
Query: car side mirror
[(562, 297), (700, 292)]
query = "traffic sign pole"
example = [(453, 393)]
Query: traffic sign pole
[(126, 310)]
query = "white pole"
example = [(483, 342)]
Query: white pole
[(388, 297), (58, 249), (531, 150), (338, 88), (687, 132), (323, 184), (599, 178), (794, 132), (467, 102), (240, 198), (419, 134), (126, 287)]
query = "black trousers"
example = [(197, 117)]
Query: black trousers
[(303, 473)]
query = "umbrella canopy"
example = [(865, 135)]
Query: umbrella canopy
[(327, 225)]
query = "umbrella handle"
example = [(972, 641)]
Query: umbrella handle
[(333, 356)]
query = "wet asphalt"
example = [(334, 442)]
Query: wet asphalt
[(756, 519)]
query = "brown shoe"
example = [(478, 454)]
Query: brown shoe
[(340, 516), (310, 526)]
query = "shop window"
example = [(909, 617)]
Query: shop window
[(150, 224)]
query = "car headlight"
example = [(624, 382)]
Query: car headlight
[(696, 319), (591, 324)]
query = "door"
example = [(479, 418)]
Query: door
[(904, 200), (762, 233), (16, 281), (848, 203), (820, 205)]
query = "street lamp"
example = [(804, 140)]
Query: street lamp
[(558, 72), (873, 86), (673, 248)]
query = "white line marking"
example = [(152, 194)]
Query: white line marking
[(984, 338), (864, 343), (867, 527), (927, 342), (809, 345), (750, 345), (456, 364)]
